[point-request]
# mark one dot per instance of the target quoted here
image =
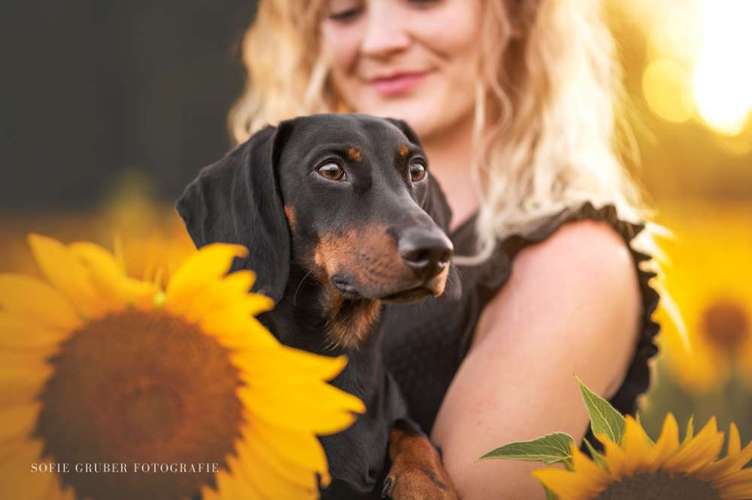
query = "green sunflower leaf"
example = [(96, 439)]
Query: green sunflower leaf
[(598, 457), (604, 418), (549, 449)]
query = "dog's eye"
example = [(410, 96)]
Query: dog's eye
[(418, 171), (332, 171)]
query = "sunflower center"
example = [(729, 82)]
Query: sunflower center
[(140, 388), (726, 324), (659, 485)]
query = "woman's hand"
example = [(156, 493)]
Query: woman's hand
[(571, 307)]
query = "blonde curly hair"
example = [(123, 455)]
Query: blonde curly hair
[(549, 86)]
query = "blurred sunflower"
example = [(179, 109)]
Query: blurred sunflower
[(96, 367), (156, 255), (156, 242), (639, 468), (710, 278)]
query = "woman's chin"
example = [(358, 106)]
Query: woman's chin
[(416, 114), (421, 112)]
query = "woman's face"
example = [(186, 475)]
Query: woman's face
[(408, 59)]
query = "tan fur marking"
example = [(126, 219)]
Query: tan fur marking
[(369, 256), (417, 471), (291, 217), (355, 154), (403, 150), (367, 253), (438, 283), (351, 328)]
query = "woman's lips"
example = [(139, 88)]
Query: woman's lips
[(398, 84)]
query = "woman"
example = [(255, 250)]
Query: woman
[(514, 103)]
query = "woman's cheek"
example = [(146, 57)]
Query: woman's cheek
[(341, 47)]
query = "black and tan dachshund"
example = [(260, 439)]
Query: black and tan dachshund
[(340, 215)]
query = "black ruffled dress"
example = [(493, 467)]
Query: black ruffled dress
[(425, 343)]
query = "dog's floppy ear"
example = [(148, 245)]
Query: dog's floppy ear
[(237, 200)]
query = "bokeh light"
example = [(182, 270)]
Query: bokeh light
[(665, 84), (723, 76), (696, 61)]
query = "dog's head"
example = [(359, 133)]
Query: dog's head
[(347, 198)]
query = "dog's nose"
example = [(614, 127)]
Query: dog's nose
[(426, 251)]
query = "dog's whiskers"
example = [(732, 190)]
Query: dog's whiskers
[(297, 289)]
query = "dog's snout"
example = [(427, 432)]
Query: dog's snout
[(426, 251)]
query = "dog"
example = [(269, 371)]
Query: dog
[(340, 215)]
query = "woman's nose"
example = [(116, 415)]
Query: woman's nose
[(384, 33)]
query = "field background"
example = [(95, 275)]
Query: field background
[(109, 109)]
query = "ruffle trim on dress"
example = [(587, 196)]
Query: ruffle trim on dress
[(637, 379)]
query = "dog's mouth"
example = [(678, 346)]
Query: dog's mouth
[(411, 293), (346, 288)]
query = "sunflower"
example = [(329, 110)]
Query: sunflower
[(151, 253), (101, 369), (710, 279), (640, 469)]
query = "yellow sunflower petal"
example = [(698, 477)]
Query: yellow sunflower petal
[(736, 458), (12, 447), (109, 277), (244, 343), (32, 300), (25, 484), (734, 441), (690, 430), (302, 391), (308, 452), (567, 485), (668, 442), (208, 493), (737, 486), (265, 479), (637, 447), (295, 363), (740, 458), (210, 263), (238, 330), (300, 481), (231, 291), (582, 464), (23, 359), (18, 333), (299, 410), (618, 462), (18, 421), (229, 486), (19, 386), (699, 451), (67, 274)]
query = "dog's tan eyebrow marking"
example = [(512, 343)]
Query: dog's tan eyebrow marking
[(403, 150), (354, 153)]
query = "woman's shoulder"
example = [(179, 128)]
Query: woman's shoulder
[(582, 273), (583, 249), (578, 269)]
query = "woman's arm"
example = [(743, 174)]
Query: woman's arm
[(571, 307)]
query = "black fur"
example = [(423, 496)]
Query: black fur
[(241, 199)]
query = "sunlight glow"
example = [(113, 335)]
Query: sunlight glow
[(666, 86), (722, 80)]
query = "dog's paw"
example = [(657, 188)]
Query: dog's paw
[(417, 482)]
